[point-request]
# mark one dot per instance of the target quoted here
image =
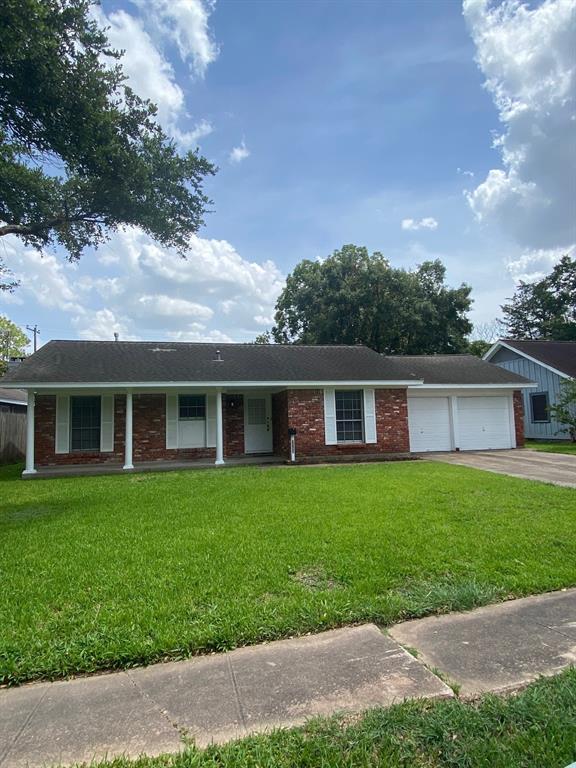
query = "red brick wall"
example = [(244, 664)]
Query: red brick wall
[(45, 436), (281, 445), (149, 434), (305, 408), (519, 418)]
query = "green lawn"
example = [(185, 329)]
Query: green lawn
[(104, 572), (536, 729), (553, 446)]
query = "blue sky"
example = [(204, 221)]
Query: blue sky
[(419, 129)]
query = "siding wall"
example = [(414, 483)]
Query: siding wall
[(547, 382)]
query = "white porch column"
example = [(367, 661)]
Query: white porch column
[(30, 469), (219, 430), (128, 440)]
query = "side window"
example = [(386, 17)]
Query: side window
[(85, 423), (349, 419), (191, 407), (539, 403)]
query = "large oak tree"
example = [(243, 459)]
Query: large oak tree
[(80, 152), (353, 297)]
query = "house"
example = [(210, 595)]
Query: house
[(548, 363), (12, 400), (134, 403)]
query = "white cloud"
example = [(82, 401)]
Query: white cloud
[(527, 57), (534, 265), (194, 333), (239, 153), (101, 325), (168, 307), (413, 224), (462, 172), (185, 22)]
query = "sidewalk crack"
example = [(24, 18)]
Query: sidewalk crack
[(236, 693), (24, 725), (182, 730)]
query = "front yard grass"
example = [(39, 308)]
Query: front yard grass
[(535, 729), (107, 572), (553, 446)]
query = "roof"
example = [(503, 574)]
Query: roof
[(131, 362), (112, 362), (456, 369), (13, 396), (560, 355)]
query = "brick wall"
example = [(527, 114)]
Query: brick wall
[(519, 418), (280, 441), (149, 434), (305, 412)]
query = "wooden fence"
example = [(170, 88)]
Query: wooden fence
[(12, 437)]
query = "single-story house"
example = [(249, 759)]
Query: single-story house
[(548, 363), (126, 403), (13, 400)]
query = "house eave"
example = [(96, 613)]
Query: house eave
[(233, 385), (499, 344)]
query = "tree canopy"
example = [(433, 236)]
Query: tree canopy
[(80, 152), (545, 309), (13, 342), (353, 297)]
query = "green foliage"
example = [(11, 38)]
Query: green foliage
[(13, 342), (551, 446), (356, 298), (263, 338), (545, 309), (105, 572), (479, 347), (564, 409), (80, 153)]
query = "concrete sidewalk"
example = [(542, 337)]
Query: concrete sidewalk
[(155, 709), (498, 648)]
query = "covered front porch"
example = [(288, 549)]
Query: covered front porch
[(109, 430)]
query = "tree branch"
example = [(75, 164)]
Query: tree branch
[(34, 229)]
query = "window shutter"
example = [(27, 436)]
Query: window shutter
[(62, 438), (330, 436), (211, 421), (369, 417), (171, 421), (107, 423)]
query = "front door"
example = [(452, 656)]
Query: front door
[(257, 424)]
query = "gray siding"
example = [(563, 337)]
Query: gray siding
[(547, 382)]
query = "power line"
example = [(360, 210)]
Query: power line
[(36, 331)]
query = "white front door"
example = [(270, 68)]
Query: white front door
[(257, 424)]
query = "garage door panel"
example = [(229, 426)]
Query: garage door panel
[(429, 424), (483, 423)]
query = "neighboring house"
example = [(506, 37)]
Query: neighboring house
[(548, 363), (12, 400), (121, 403)]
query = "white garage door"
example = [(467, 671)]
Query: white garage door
[(483, 423), (429, 424)]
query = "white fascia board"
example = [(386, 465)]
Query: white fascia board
[(500, 344), (529, 385), (13, 402), (234, 385)]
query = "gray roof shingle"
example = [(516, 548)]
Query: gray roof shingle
[(557, 354), (112, 362)]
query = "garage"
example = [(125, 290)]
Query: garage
[(469, 422)]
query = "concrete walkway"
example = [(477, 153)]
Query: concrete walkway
[(498, 648), (212, 698), (158, 709), (555, 468)]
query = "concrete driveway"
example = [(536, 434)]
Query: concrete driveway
[(555, 468)]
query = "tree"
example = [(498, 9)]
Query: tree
[(263, 338), (564, 409), (80, 153), (479, 347), (545, 309), (356, 298), (13, 342)]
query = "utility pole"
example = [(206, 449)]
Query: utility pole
[(36, 331)]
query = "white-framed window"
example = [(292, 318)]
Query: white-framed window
[(191, 407), (539, 407), (85, 423), (349, 416)]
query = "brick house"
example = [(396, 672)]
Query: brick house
[(126, 405)]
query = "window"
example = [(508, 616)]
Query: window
[(539, 403), (192, 407), (85, 423), (349, 421)]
